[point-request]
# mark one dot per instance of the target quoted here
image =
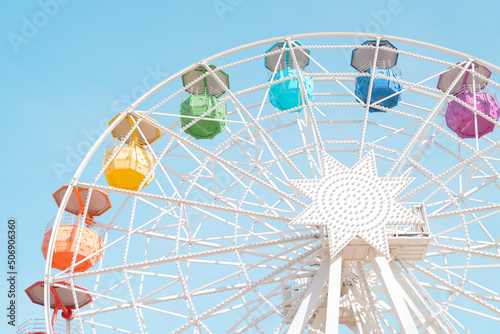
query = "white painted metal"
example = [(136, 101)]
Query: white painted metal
[(334, 288), (223, 239), (311, 299), (394, 294)]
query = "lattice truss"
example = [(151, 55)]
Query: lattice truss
[(212, 245)]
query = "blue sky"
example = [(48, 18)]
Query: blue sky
[(69, 66)]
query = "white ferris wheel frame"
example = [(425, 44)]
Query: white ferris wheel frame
[(131, 108)]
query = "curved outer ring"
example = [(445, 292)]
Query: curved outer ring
[(48, 263)]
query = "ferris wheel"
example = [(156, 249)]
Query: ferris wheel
[(316, 183)]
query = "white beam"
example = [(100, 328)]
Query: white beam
[(394, 295), (334, 288), (427, 322), (311, 298), (320, 320), (361, 298)]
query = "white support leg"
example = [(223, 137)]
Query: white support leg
[(370, 320), (334, 289), (425, 320), (394, 295), (311, 299), (320, 320)]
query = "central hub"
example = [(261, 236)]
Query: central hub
[(351, 197), (354, 202)]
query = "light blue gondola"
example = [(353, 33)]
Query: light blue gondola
[(287, 94), (362, 60)]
